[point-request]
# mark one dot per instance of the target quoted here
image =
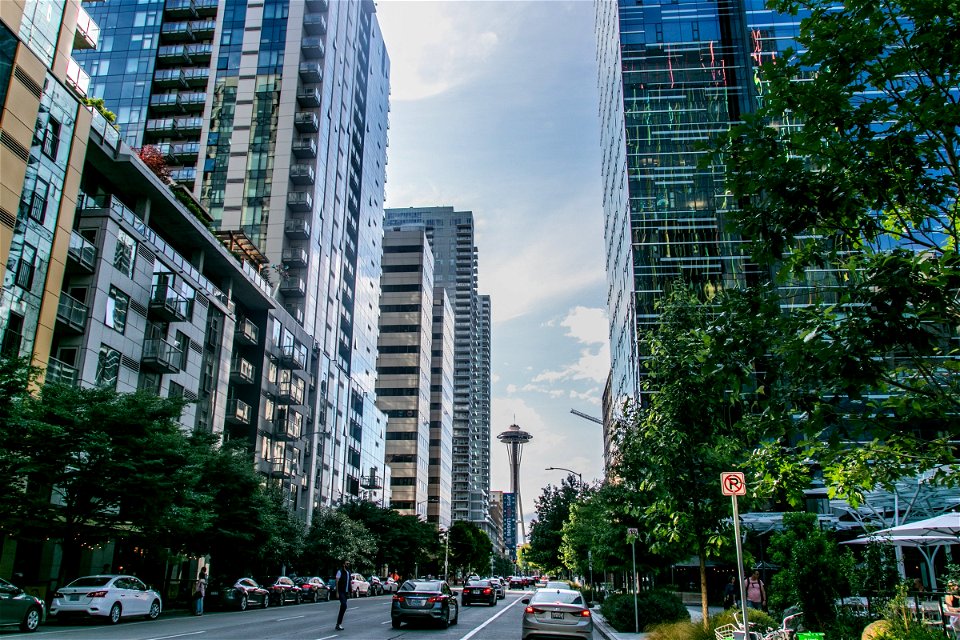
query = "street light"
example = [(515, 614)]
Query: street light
[(579, 476)]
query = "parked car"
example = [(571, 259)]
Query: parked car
[(240, 594), (359, 585), (376, 586), (557, 613), (499, 586), (478, 591), (517, 582), (389, 584), (112, 596), (424, 600), (282, 590), (314, 589), (20, 608)]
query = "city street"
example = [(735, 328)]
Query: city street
[(366, 618)]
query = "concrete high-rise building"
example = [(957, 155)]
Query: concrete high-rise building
[(451, 235), (403, 365), (671, 77), (274, 115), (440, 486)]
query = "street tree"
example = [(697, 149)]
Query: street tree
[(546, 530), (402, 541), (470, 548), (334, 537), (846, 179)]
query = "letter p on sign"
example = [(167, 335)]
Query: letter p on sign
[(732, 483)]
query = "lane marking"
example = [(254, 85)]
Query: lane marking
[(386, 622), (290, 618), (326, 637), (489, 620), (179, 635)]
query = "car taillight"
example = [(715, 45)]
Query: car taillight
[(57, 595), (487, 591), (466, 590), (435, 599), (97, 594), (398, 598), (530, 610), (585, 613)]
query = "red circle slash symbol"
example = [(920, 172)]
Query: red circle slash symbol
[(732, 483)]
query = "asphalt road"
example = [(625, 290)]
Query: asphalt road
[(366, 619)]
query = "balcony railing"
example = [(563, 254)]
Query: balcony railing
[(302, 174), (289, 393), (294, 286), (315, 24), (311, 72), (308, 97), (242, 370), (72, 312), (305, 147), (82, 251), (312, 48), (77, 77), (61, 373), (247, 332), (238, 411), (87, 35), (288, 425), (168, 303), (295, 257), (294, 356), (306, 122), (161, 355), (300, 201)]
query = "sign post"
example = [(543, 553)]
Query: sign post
[(632, 534), (733, 484)]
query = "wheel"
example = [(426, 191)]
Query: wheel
[(327, 598), (456, 617), (281, 599), (266, 601), (154, 610), (31, 620), (395, 623), (493, 601), (356, 593), (316, 597), (298, 599), (446, 620), (243, 603), (115, 611)]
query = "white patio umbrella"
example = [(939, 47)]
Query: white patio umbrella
[(928, 546), (945, 524)]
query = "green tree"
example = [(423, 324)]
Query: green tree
[(470, 548), (403, 542), (546, 531), (334, 537), (847, 180)]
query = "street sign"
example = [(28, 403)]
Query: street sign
[(732, 483), (633, 532)]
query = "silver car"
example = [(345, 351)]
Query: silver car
[(110, 596), (558, 613), (19, 608)]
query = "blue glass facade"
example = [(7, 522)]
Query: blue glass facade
[(673, 75)]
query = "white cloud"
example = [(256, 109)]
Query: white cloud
[(589, 326)]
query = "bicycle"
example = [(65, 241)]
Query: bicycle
[(734, 631)]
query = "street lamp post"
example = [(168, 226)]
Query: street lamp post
[(579, 475)]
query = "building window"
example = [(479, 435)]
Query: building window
[(38, 202), (26, 267), (51, 139), (125, 256), (183, 343), (117, 304), (108, 367), (149, 381), (175, 391), (12, 336)]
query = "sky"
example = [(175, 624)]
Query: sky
[(494, 110)]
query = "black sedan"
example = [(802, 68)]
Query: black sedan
[(314, 589), (19, 608), (241, 594), (478, 591), (424, 600), (282, 590)]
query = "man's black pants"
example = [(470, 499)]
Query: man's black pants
[(343, 608)]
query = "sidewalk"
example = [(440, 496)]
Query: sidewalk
[(608, 633)]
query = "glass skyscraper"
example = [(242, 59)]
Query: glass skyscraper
[(672, 75)]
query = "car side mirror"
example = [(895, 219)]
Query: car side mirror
[(525, 601)]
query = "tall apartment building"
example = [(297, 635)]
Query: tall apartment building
[(440, 481), (403, 365), (274, 115), (451, 235), (672, 74), (43, 136)]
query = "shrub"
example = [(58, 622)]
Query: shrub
[(653, 607), (681, 631), (761, 619)]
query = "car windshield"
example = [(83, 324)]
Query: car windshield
[(411, 585), (92, 581), (478, 583), (563, 597)]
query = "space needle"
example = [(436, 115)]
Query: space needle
[(514, 437)]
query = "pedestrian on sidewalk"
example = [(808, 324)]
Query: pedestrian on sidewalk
[(731, 593), (756, 593), (343, 590), (199, 592)]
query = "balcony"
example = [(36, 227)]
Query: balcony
[(295, 311), (287, 425), (283, 469), (372, 481), (312, 48), (295, 257), (308, 97), (176, 32), (87, 35), (306, 122), (189, 126), (199, 52), (168, 304), (61, 373), (193, 101), (305, 148), (82, 251), (317, 5), (242, 371), (311, 72), (290, 393), (196, 76), (294, 356), (169, 79), (173, 54), (161, 127), (247, 332), (165, 103), (302, 174), (300, 201), (184, 151), (179, 9), (294, 286), (72, 313), (203, 29), (297, 228), (206, 7), (315, 24), (238, 411), (161, 356), (184, 174), (77, 77)]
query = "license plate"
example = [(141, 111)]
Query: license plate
[(415, 602), (74, 598), (214, 593), (556, 615)]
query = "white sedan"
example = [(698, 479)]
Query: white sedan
[(359, 585), (111, 596)]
